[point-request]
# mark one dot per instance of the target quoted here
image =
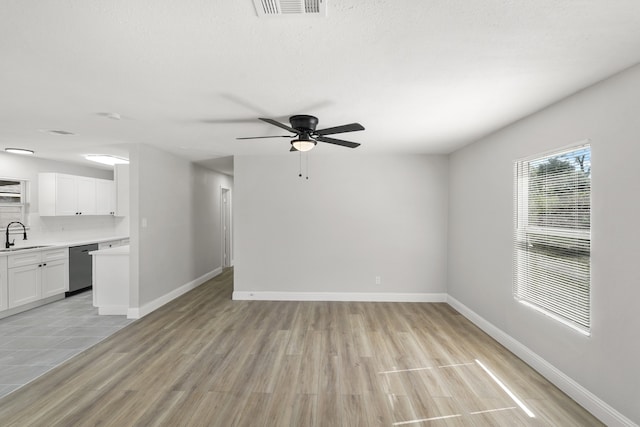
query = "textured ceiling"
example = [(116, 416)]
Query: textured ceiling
[(191, 76)]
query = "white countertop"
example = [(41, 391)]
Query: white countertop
[(118, 250), (44, 245), (80, 242)]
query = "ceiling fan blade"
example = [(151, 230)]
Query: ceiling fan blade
[(338, 142), (227, 121), (260, 137), (280, 125), (293, 148), (351, 127)]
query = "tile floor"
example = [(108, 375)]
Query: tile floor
[(35, 341)]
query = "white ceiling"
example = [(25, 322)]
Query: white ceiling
[(191, 76)]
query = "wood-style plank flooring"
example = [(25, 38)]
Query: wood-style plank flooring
[(204, 360)]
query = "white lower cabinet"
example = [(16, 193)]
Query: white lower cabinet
[(3, 283), (37, 275), (54, 278), (24, 285)]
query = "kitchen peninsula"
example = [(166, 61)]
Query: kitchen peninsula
[(111, 280)]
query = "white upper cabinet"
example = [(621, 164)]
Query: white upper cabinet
[(105, 197), (86, 195), (61, 194)]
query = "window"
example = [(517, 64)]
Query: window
[(552, 239), (13, 201)]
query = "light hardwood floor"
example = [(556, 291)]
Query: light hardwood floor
[(204, 360)]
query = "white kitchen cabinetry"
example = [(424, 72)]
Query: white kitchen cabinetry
[(105, 197), (55, 277), (24, 284), (86, 195), (61, 194), (111, 280), (36, 275), (3, 283)]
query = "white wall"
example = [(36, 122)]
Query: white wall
[(357, 217), (181, 242), (481, 227), (55, 229)]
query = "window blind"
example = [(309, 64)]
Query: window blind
[(12, 201), (552, 239)]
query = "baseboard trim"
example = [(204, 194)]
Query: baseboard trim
[(19, 309), (584, 397), (138, 312), (340, 296)]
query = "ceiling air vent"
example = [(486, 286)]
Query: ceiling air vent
[(291, 7)]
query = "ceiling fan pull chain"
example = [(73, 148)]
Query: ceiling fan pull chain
[(300, 164), (306, 155)]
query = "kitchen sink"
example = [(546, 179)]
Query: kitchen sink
[(22, 248)]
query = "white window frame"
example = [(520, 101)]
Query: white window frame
[(522, 231), (24, 185)]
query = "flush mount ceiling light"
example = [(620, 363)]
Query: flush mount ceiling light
[(107, 159), (303, 143), (20, 151)]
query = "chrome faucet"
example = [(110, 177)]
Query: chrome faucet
[(7, 245)]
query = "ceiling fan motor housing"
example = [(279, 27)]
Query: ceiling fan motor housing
[(304, 126), (304, 122)]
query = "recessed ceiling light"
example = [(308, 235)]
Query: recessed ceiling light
[(107, 159), (20, 151)]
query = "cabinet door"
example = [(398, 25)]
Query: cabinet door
[(55, 279), (3, 283), (86, 195), (66, 198), (24, 285), (105, 197)]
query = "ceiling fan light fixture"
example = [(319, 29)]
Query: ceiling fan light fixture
[(302, 144)]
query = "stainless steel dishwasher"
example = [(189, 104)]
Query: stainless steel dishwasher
[(80, 268)]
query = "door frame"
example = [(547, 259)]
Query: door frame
[(226, 217)]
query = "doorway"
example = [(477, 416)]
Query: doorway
[(226, 227)]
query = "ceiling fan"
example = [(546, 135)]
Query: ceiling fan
[(306, 136)]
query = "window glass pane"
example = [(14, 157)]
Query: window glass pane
[(552, 239), (560, 190), (10, 191), (12, 201)]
